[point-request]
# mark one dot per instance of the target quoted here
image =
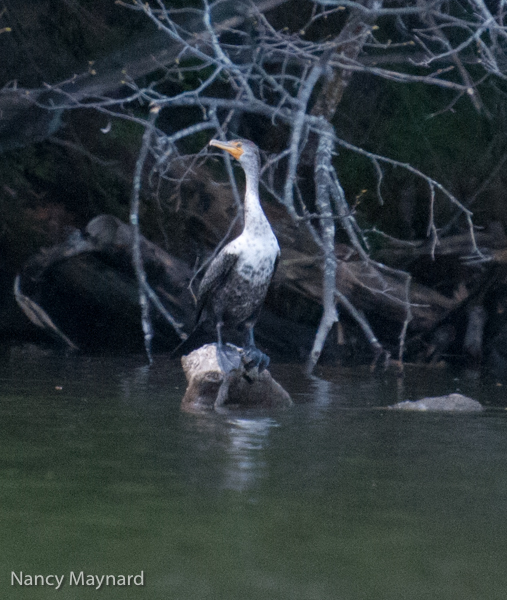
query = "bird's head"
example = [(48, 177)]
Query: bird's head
[(245, 151)]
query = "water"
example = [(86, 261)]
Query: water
[(335, 498)]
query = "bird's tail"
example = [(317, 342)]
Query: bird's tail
[(189, 343)]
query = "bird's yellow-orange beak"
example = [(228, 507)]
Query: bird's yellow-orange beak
[(233, 148)]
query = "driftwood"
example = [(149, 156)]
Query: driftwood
[(210, 388), (442, 304), (85, 293), (402, 253), (368, 289)]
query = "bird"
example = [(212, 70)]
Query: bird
[(235, 284)]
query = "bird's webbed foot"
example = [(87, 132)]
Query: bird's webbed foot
[(228, 357), (253, 357)]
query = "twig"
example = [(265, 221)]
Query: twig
[(297, 132), (406, 322)]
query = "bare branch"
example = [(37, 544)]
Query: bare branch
[(137, 260), (323, 183), (294, 81)]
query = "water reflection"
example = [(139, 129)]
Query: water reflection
[(320, 501), (247, 440), (322, 390), (225, 452), (134, 381)]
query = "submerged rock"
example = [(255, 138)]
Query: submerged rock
[(448, 403)]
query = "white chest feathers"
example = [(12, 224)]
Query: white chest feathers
[(257, 255)]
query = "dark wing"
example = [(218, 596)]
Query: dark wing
[(277, 260), (214, 278)]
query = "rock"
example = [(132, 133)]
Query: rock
[(448, 403), (210, 388)]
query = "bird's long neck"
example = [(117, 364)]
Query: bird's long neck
[(254, 215)]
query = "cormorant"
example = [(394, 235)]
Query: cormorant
[(234, 286)]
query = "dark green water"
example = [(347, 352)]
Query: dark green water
[(333, 499)]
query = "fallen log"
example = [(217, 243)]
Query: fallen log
[(84, 291), (369, 289)]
